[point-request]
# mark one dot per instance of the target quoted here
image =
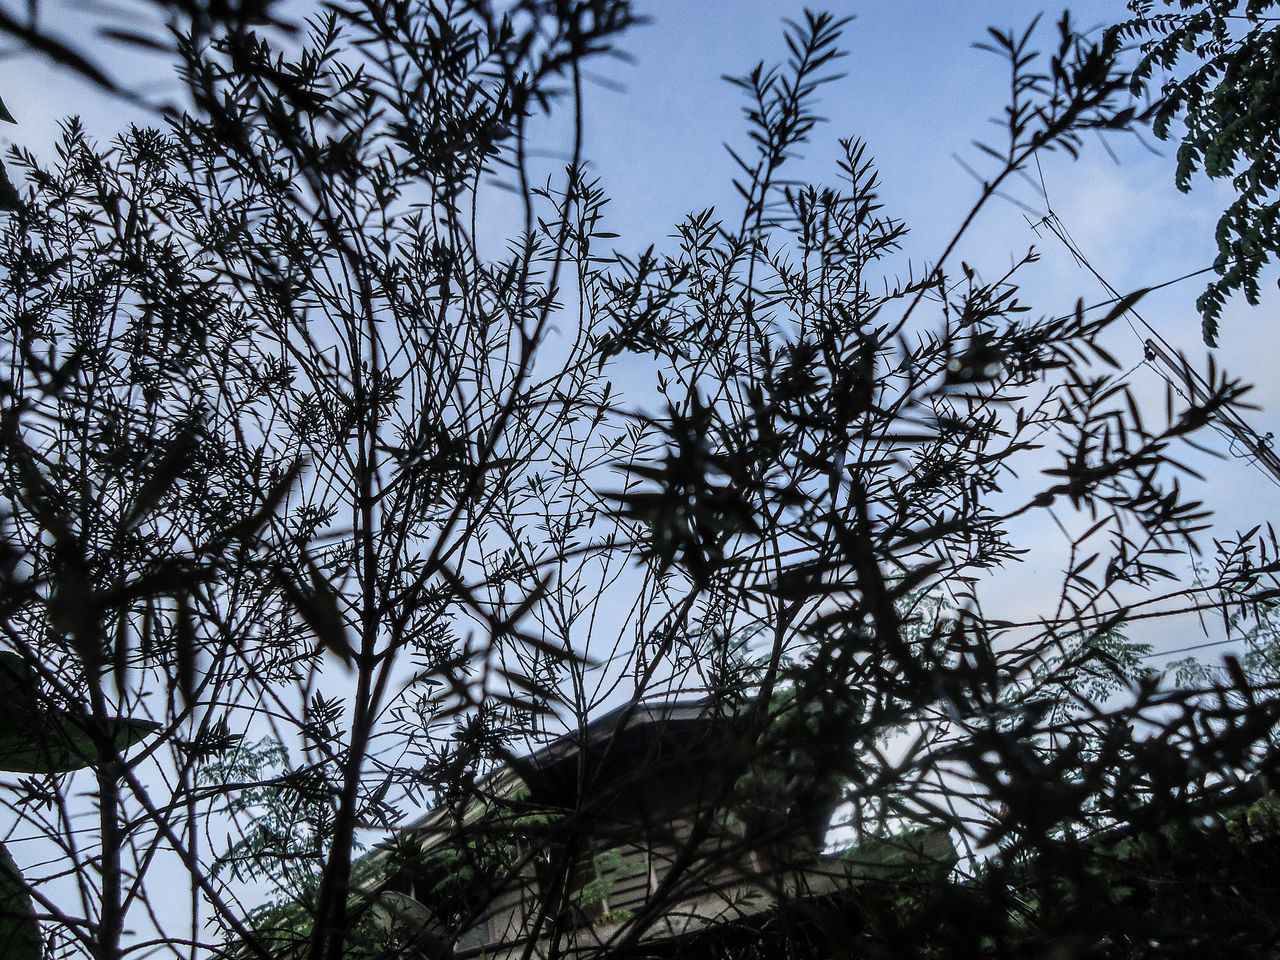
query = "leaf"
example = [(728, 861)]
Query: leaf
[(176, 459), (9, 199), (317, 603), (60, 747), (249, 527), (34, 739), (19, 930), (14, 676), (184, 642), (134, 39), (56, 50)]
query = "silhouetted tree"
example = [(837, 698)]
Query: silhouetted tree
[(321, 503)]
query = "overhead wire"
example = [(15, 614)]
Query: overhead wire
[(1189, 649), (1158, 352), (1156, 347)]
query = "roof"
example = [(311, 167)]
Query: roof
[(670, 762)]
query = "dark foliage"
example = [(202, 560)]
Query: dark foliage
[(321, 508), (1220, 90)]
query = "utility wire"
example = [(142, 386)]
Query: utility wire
[(1110, 301), (1157, 349), (1193, 647)]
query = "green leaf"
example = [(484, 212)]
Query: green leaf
[(61, 747), (37, 739), (19, 931), (5, 115)]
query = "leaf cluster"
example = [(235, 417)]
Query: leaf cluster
[(1217, 60)]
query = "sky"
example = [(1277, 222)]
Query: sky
[(918, 92)]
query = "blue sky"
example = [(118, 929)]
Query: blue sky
[(918, 92)]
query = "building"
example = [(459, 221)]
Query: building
[(651, 831)]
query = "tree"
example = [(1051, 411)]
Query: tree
[(1220, 83), (830, 451), (265, 392), (130, 32), (294, 449)]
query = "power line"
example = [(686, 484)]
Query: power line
[(1159, 350), (1259, 447), (1111, 301), (1195, 646)]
